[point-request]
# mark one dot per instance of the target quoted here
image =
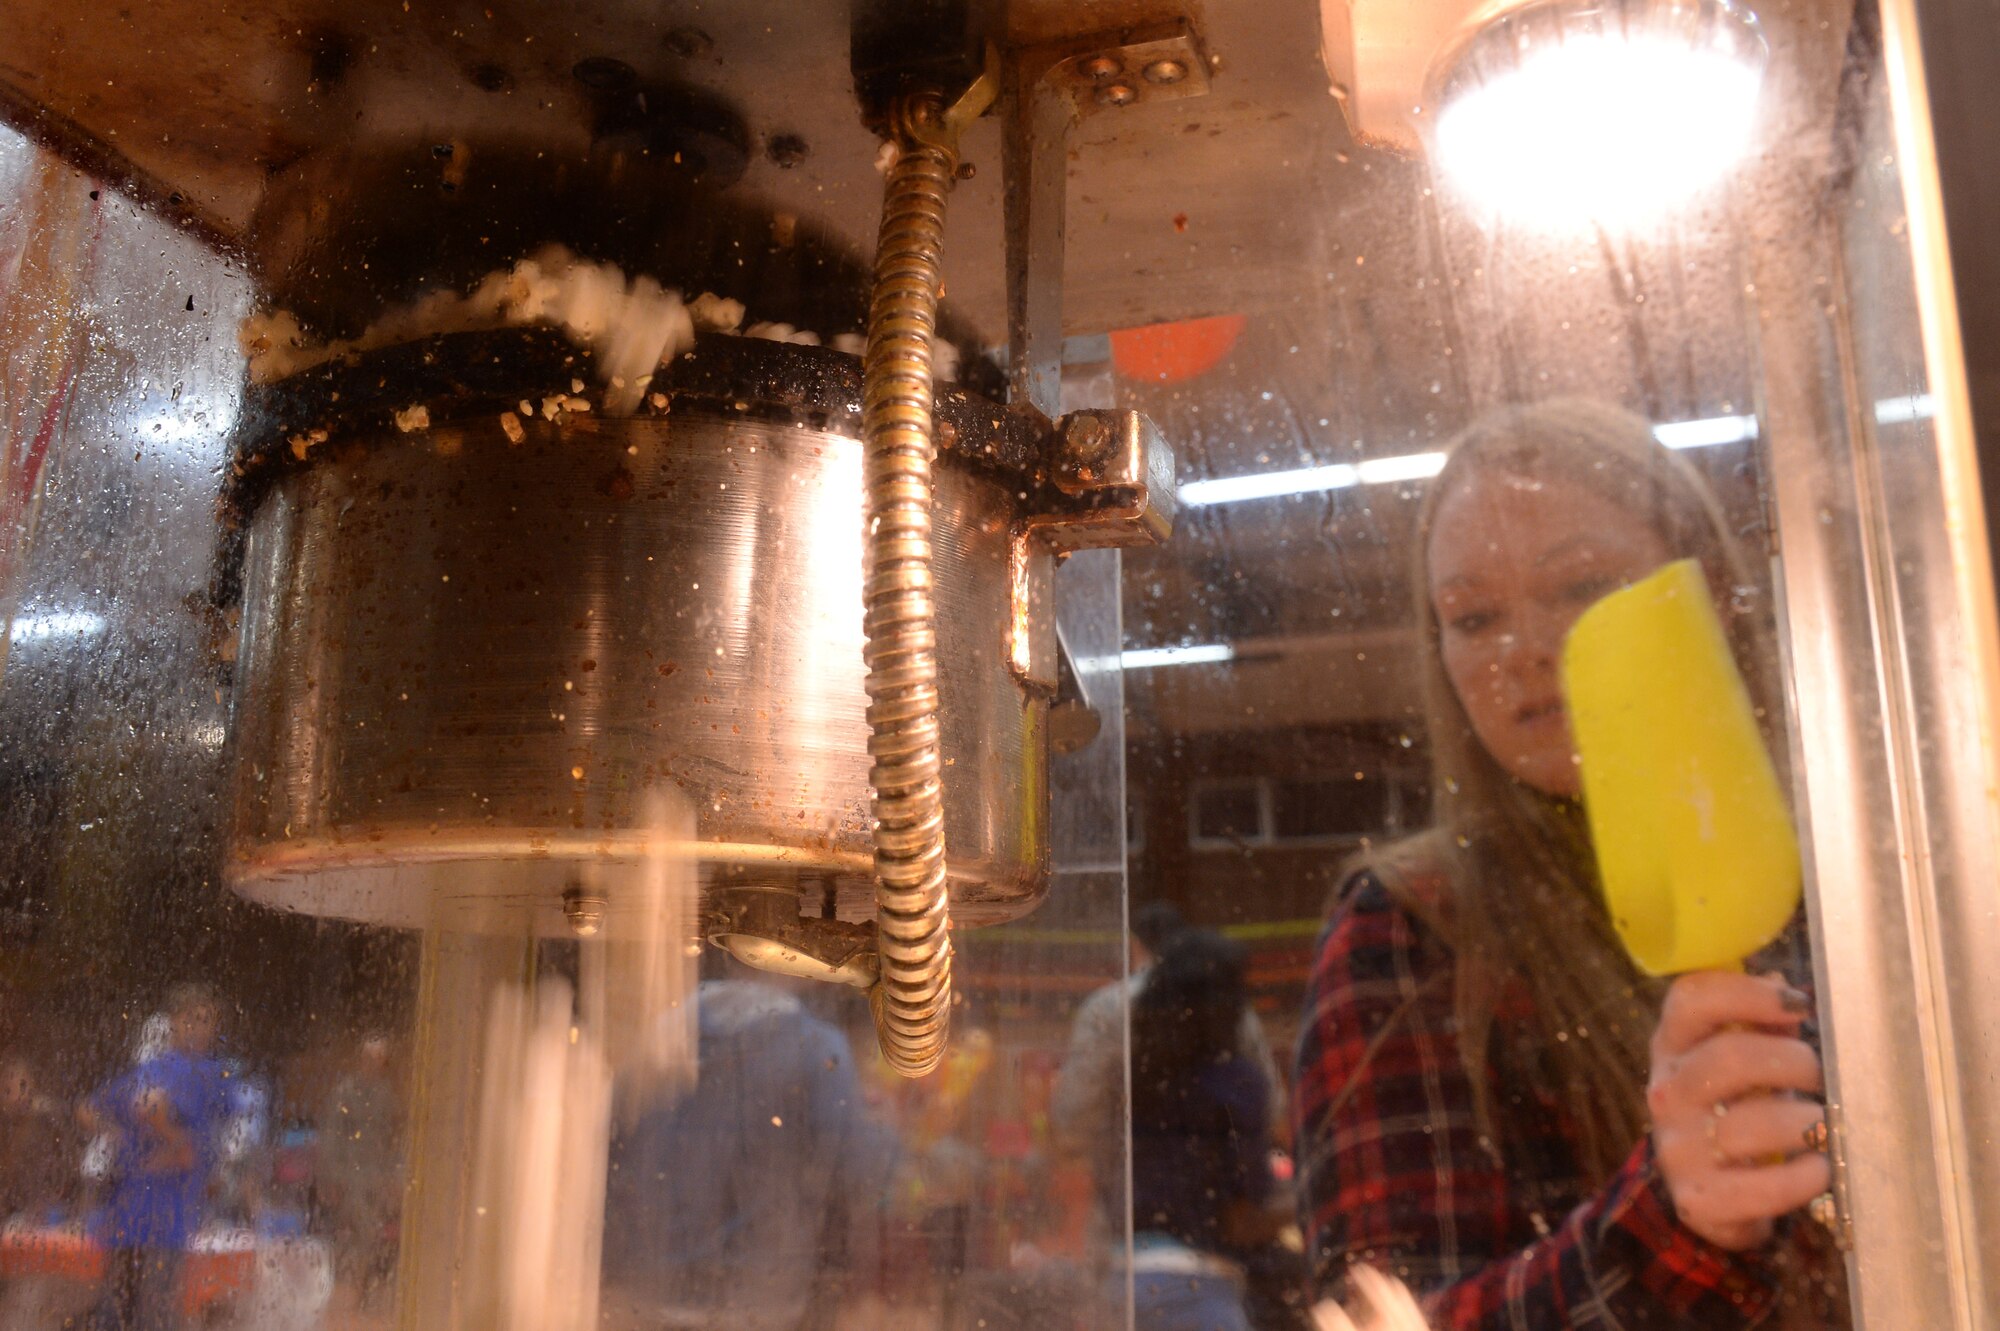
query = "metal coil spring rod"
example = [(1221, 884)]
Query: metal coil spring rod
[(912, 998)]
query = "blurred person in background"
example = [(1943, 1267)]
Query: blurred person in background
[(162, 1119), (1203, 1197), (359, 1169), (36, 1167), (755, 1201), (1087, 1108), (38, 1176)]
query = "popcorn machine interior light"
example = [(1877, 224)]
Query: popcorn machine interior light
[(1554, 113)]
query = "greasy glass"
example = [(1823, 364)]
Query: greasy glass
[(1307, 966)]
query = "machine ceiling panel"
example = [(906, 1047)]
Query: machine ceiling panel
[(1178, 209)]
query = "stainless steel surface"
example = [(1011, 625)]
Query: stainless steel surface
[(1110, 70), (1051, 87), (195, 109), (768, 954), (1878, 1064), (912, 904), (1034, 137), (762, 927), (464, 663), (1157, 61), (1873, 717), (1925, 534)]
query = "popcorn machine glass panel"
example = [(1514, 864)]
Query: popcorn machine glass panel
[(578, 708)]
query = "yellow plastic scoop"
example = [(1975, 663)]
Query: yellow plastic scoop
[(1694, 839)]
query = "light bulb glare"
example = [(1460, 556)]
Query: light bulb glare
[(1615, 129)]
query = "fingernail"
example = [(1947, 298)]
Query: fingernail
[(1816, 1136), (1794, 1000)]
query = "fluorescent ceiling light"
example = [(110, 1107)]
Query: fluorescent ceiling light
[(1146, 658), (1708, 432), (40, 625), (1269, 484), (1400, 468), (1903, 410)]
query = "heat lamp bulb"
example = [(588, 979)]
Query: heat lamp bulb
[(1618, 124)]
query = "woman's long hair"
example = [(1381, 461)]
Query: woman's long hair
[(1523, 911)]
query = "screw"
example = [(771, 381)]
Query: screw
[(1166, 71), (1117, 94), (1101, 67), (965, 171), (1088, 438), (584, 913)]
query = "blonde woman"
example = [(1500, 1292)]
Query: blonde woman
[(1493, 1104)]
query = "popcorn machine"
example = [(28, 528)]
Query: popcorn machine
[(549, 543)]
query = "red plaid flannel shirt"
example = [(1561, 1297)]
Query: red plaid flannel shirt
[(1394, 1172)]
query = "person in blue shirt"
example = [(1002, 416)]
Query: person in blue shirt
[(162, 1117), (754, 1201)]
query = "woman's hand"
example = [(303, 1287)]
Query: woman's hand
[(1737, 1129)]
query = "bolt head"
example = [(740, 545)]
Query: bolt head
[(1098, 68), (1166, 71), (583, 913), (1117, 94), (1087, 437)]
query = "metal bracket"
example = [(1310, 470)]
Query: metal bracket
[(1073, 723), (1156, 62), (1110, 483), (1050, 88), (762, 927), (1110, 471), (1117, 473)]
